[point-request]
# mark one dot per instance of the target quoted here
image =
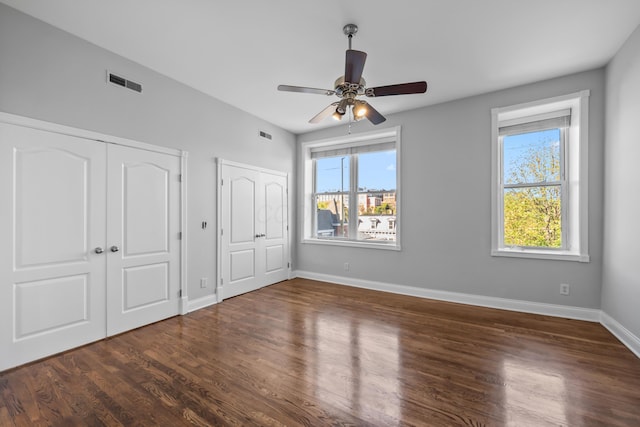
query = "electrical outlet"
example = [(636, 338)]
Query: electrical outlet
[(564, 289), (203, 282), (346, 266)]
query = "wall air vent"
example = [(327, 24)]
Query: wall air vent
[(121, 81), (265, 135)]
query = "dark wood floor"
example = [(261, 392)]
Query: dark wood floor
[(311, 353)]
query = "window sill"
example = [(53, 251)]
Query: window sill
[(354, 244), (540, 254)]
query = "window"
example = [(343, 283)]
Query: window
[(539, 174), (351, 190)]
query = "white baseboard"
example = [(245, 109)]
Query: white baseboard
[(184, 305), (201, 302), (569, 312), (623, 334)]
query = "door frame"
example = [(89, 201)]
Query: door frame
[(110, 139), (220, 162)]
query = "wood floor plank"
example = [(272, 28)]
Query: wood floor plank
[(310, 353)]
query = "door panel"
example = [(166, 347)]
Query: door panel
[(59, 302), (53, 181), (143, 227), (53, 282), (242, 194), (146, 206), (145, 285), (274, 258), (254, 235), (239, 230), (275, 243), (242, 265), (274, 201)]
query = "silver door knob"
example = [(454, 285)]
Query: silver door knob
[(98, 250), (114, 248)]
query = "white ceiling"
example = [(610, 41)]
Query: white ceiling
[(239, 51)]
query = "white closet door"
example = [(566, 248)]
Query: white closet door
[(272, 223), (254, 236), (52, 220), (239, 234), (143, 224)]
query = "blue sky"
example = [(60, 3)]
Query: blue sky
[(517, 147), (377, 171)]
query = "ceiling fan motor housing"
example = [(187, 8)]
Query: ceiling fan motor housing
[(346, 89)]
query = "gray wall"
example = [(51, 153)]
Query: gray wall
[(621, 264), (51, 75), (446, 211)]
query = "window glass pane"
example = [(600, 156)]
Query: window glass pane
[(332, 213), (377, 195), (377, 171), (532, 217), (377, 216), (332, 174), (532, 157)]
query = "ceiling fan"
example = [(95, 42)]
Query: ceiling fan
[(350, 86)]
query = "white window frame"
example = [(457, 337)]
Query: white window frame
[(307, 188), (574, 177)]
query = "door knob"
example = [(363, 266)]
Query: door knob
[(114, 248), (98, 250)]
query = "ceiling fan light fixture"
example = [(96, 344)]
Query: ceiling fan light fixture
[(351, 85), (360, 109), (341, 109)]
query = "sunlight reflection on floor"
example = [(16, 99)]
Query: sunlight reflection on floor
[(533, 395), (365, 381)]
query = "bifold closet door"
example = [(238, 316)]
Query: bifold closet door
[(89, 241), (52, 242), (272, 219), (254, 235), (143, 231)]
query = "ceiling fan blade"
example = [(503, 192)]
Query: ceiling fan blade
[(399, 89), (373, 115), (354, 66), (287, 88), (324, 113)]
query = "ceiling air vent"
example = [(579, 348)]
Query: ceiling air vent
[(265, 135), (121, 81)]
